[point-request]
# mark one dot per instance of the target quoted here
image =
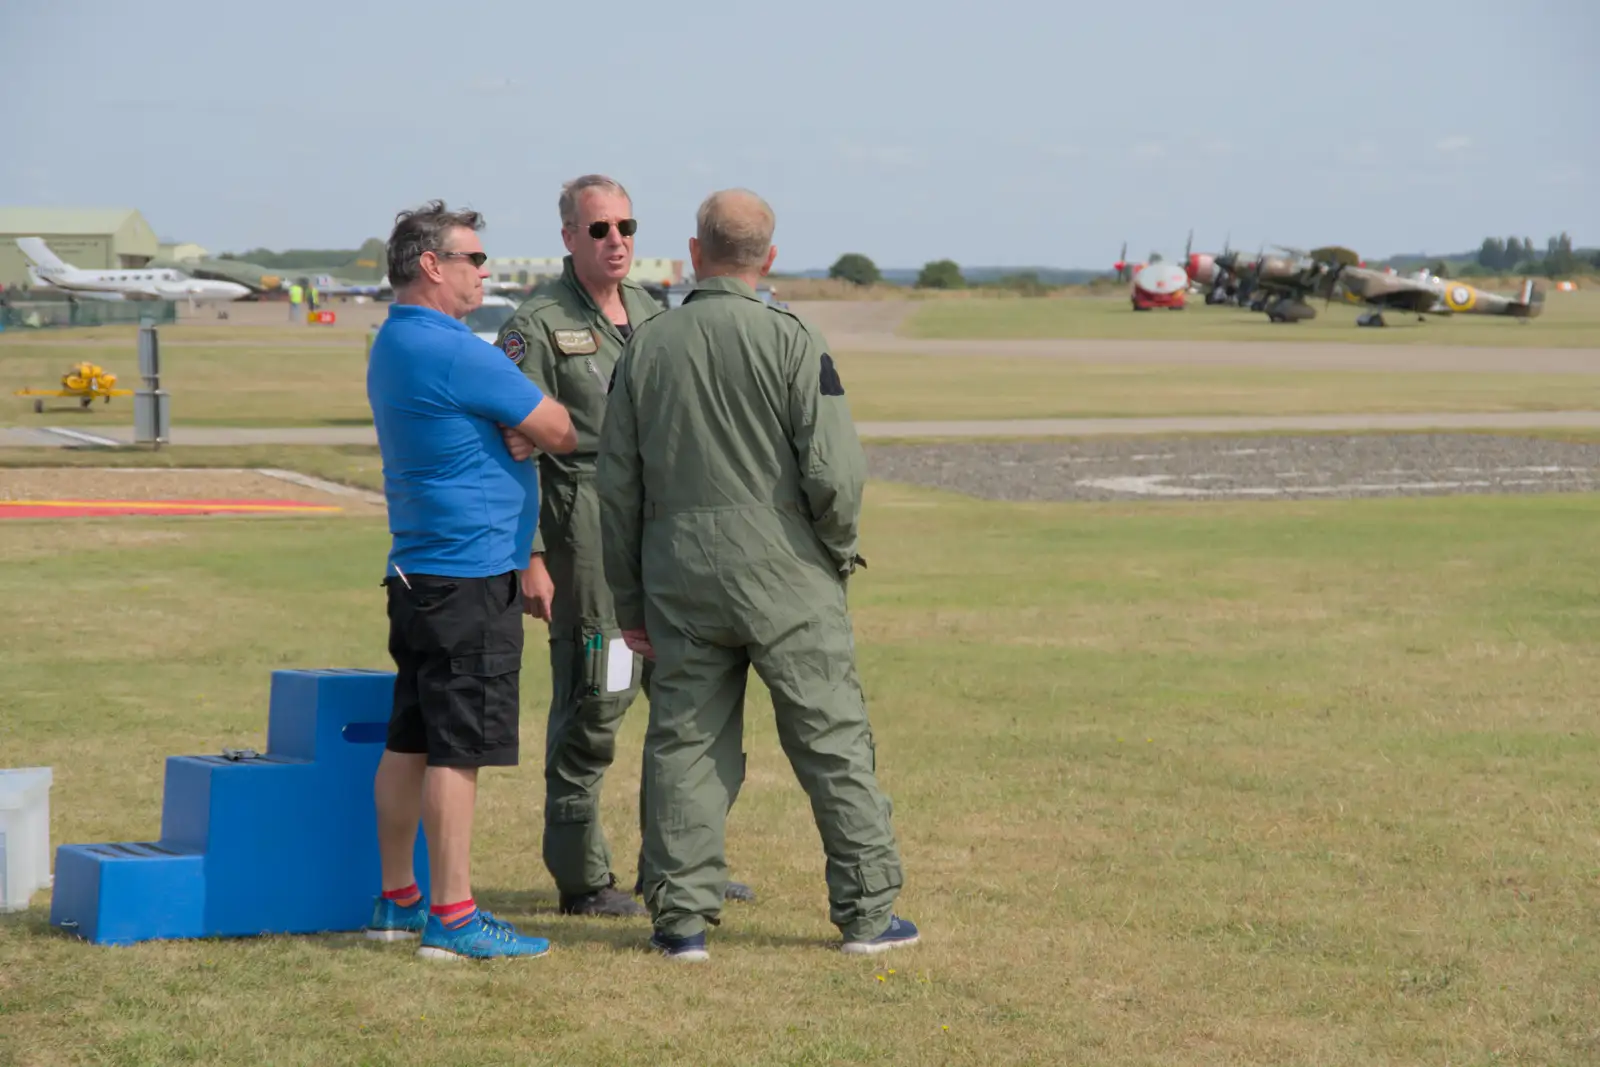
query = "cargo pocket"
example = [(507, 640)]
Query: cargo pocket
[(486, 684), (875, 878), (575, 810)]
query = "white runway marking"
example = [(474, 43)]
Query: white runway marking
[(84, 438), (1157, 485)]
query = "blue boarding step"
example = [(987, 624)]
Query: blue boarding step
[(283, 842)]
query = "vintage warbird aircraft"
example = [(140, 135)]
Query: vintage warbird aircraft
[(1424, 294), (1262, 283), (1337, 273), (85, 382)]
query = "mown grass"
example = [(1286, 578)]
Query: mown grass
[(303, 385), (908, 387), (1570, 320), (251, 380), (1176, 784)]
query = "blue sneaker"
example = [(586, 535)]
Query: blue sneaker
[(690, 949), (900, 932), (391, 922), (482, 937)]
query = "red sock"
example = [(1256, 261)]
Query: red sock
[(453, 915), (405, 896)]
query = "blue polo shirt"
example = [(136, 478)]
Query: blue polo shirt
[(459, 505)]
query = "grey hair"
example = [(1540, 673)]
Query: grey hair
[(570, 192), (735, 239), (423, 230)]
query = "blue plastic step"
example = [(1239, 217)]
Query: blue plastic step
[(280, 842), (116, 894)]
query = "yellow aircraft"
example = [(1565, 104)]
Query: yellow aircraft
[(85, 381)]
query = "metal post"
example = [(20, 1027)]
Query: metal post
[(152, 412)]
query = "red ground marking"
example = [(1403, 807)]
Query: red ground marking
[(79, 509)]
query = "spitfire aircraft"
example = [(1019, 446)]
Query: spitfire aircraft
[(1424, 294), (1337, 273)]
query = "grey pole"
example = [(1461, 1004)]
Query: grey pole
[(152, 411)]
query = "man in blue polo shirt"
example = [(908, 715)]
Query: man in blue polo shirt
[(462, 513)]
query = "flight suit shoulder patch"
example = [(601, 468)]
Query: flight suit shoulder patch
[(831, 385), (575, 342), (515, 346)]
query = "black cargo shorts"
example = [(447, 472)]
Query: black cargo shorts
[(457, 650)]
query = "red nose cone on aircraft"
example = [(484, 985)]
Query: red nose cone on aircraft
[(1202, 267)]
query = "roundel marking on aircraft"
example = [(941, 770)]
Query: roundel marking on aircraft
[(1460, 297)]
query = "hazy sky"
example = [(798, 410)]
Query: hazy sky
[(991, 132)]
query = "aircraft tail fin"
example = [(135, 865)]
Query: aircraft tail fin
[(1530, 301), (39, 254)]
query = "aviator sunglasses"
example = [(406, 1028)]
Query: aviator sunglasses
[(478, 258), (626, 227)]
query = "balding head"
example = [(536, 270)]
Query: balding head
[(734, 235)]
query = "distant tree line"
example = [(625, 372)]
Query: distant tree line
[(859, 269), (1511, 255)]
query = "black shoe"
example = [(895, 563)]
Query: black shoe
[(734, 891), (609, 902)]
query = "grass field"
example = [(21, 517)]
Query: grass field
[(248, 380), (1570, 320), (249, 376), (1176, 785), (908, 387)]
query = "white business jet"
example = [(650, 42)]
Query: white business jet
[(138, 283)]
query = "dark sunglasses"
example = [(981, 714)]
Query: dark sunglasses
[(626, 227), (478, 258)]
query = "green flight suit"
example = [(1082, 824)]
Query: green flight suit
[(568, 347), (730, 480)]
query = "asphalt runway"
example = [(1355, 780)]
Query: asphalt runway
[(1244, 468)]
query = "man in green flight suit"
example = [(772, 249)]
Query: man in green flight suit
[(567, 336), (730, 480)]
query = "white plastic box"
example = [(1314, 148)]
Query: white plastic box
[(24, 835)]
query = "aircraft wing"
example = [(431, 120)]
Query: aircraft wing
[(1410, 296)]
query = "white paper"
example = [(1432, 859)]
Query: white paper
[(619, 665)]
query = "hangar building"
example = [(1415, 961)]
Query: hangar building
[(90, 238)]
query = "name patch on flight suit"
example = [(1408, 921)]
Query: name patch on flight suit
[(575, 342)]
